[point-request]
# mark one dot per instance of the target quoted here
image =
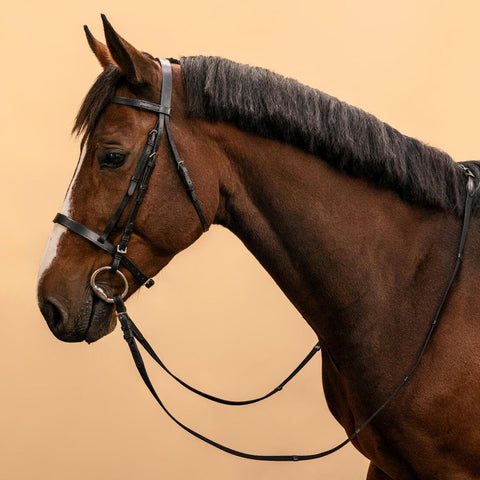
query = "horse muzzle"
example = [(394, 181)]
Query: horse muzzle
[(88, 320)]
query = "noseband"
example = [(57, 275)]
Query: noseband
[(138, 186)]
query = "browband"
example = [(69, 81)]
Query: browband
[(142, 105)]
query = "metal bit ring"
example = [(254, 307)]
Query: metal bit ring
[(100, 292)]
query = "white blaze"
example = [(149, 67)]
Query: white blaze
[(58, 230)]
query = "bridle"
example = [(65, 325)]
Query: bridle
[(138, 185), (137, 189)]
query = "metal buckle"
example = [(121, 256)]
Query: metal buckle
[(119, 250), (99, 291)]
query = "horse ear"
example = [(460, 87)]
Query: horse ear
[(136, 67), (99, 49)]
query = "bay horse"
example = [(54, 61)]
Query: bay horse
[(357, 223)]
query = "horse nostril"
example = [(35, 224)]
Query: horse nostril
[(54, 316)]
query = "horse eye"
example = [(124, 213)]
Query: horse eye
[(112, 159)]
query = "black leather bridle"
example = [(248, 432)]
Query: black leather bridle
[(138, 185)]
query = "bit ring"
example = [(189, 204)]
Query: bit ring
[(100, 292)]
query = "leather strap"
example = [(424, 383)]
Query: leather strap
[(149, 165), (129, 336), (92, 237), (142, 340), (167, 83), (136, 177), (184, 175), (142, 105)]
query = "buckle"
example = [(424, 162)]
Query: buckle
[(121, 251)]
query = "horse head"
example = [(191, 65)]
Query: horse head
[(114, 143)]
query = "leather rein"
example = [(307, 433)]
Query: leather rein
[(136, 190)]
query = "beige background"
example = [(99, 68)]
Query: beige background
[(74, 411)]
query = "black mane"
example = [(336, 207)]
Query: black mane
[(270, 105), (349, 139)]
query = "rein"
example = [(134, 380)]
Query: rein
[(131, 333), (138, 185)]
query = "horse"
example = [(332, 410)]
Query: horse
[(357, 223)]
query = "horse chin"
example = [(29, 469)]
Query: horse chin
[(102, 320)]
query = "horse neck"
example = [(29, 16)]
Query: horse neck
[(346, 252)]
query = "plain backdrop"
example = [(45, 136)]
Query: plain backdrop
[(78, 411)]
